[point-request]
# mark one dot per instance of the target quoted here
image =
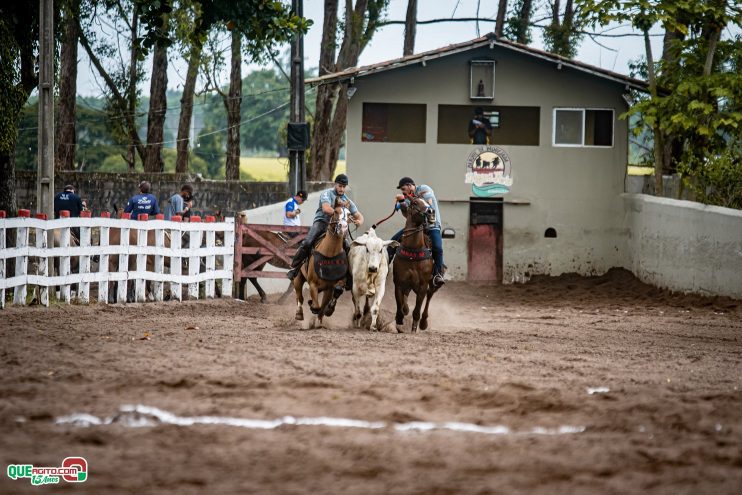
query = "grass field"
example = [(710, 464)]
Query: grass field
[(634, 170), (264, 169)]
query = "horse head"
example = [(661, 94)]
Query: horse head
[(339, 221), (417, 211)]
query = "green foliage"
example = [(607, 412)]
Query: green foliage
[(718, 179), (517, 26)]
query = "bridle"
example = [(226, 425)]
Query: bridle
[(414, 206), (339, 219)]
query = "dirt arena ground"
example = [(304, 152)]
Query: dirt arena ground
[(518, 356)]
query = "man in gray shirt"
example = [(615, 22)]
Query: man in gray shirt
[(180, 204)]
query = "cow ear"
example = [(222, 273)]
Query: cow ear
[(391, 244)]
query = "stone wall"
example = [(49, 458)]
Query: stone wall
[(104, 190)]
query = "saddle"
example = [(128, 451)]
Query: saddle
[(330, 268)]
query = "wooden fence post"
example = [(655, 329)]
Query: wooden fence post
[(2, 260), (123, 259), (227, 283), (210, 283), (176, 261), (64, 260), (194, 262), (237, 271), (84, 260), (140, 293), (43, 266), (103, 260), (159, 267), (21, 262)]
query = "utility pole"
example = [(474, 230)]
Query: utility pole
[(298, 130), (45, 171)]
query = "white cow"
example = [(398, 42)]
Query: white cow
[(369, 264)]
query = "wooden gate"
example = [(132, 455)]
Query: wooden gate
[(485, 240), (256, 244)]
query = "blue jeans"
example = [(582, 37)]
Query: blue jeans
[(437, 244)]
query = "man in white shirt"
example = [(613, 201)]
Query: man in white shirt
[(291, 214)]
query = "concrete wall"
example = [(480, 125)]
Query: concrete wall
[(574, 190), (684, 246), (103, 190)]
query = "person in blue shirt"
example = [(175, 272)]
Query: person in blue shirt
[(144, 202), (322, 219), (291, 210), (68, 200), (432, 229)]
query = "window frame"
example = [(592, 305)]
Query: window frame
[(583, 110)]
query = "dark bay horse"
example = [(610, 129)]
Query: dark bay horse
[(413, 266), (323, 271)]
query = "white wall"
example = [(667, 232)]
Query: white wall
[(684, 246)]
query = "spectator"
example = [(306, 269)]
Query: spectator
[(181, 203), (142, 203), (480, 129), (291, 215), (68, 200)]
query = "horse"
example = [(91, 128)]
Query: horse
[(326, 268), (413, 266)]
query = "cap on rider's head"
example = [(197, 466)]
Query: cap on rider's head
[(69, 187), (341, 179), (405, 181)]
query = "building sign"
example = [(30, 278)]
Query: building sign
[(488, 171)]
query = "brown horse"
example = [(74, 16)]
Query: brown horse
[(413, 266), (328, 256)]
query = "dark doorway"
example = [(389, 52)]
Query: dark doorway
[(485, 240)]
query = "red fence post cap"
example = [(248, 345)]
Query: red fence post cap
[(160, 216), (40, 216), (143, 216), (105, 214), (126, 216), (176, 218), (86, 214), (210, 219), (3, 214), (64, 213), (195, 219), (24, 213)]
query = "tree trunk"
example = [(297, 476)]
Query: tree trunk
[(132, 88), (656, 131), (524, 18), (7, 181), (502, 7), (157, 110), (410, 26), (332, 99), (186, 109), (65, 138), (233, 103)]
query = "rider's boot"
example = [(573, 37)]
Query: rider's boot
[(438, 279), (301, 254)]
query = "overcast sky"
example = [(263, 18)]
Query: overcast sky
[(387, 42)]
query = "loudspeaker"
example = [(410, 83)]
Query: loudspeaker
[(298, 136)]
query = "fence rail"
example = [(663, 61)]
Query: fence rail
[(145, 249)]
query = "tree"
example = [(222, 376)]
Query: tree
[(562, 35), (232, 103), (361, 22), (157, 101), (410, 28), (694, 89), (518, 26), (65, 133), (502, 8), (19, 35)]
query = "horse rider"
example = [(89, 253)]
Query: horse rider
[(321, 220), (432, 225)]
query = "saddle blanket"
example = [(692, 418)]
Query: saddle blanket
[(414, 254), (332, 268)]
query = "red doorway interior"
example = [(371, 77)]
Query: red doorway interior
[(485, 240)]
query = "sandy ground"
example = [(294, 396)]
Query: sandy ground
[(518, 356)]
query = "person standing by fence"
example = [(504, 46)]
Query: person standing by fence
[(291, 214), (142, 203), (68, 200), (181, 203)]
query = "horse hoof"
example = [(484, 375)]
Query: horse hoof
[(423, 324), (299, 317), (414, 327)]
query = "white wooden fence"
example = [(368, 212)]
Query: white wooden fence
[(202, 245)]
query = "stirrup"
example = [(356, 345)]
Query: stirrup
[(438, 280)]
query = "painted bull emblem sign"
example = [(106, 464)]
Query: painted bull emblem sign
[(488, 171)]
